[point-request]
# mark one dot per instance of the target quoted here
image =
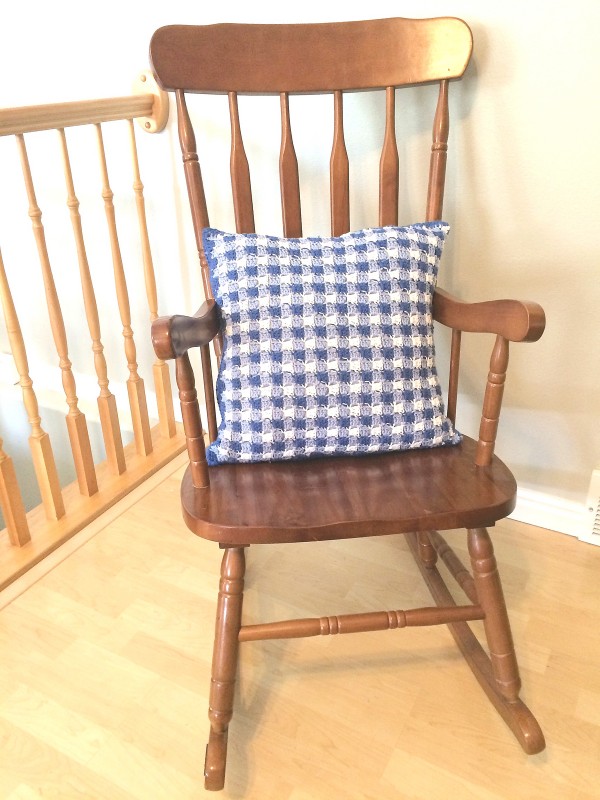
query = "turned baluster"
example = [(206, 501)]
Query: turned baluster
[(339, 172), (76, 423), (107, 404), (160, 370), (439, 155), (39, 441), (492, 403), (389, 164), (288, 175), (11, 501), (135, 384)]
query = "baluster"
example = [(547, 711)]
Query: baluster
[(439, 154), (135, 384), (162, 381), (389, 164), (76, 423), (240, 173), (492, 402), (107, 405), (339, 172), (39, 441), (11, 501), (288, 175)]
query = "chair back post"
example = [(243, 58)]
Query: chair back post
[(193, 179), (439, 156)]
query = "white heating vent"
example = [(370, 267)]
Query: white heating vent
[(593, 508)]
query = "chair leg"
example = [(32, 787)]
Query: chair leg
[(498, 676), (427, 551), (503, 669), (496, 622), (224, 664)]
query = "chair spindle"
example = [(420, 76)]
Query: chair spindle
[(192, 425), (339, 172), (492, 402), (389, 164), (240, 173), (453, 376), (288, 175)]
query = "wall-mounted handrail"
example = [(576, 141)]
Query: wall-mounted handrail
[(149, 105)]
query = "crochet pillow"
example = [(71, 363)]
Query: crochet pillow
[(328, 343)]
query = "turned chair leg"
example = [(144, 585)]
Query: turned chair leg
[(427, 551), (224, 664), (497, 626)]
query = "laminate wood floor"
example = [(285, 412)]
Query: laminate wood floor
[(105, 671)]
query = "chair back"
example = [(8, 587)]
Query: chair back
[(283, 60)]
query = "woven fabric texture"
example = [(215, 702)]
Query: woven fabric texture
[(328, 343)]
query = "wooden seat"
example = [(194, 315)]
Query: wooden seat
[(416, 492)]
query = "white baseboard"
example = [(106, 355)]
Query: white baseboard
[(555, 514)]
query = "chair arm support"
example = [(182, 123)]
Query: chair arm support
[(516, 321), (173, 336)]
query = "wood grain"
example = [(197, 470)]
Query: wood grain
[(346, 497), (392, 53), (106, 662), (320, 499)]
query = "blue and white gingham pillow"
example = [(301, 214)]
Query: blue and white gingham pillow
[(328, 343)]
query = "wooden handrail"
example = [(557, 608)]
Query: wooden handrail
[(151, 104), (65, 115)]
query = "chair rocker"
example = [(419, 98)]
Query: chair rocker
[(416, 492)]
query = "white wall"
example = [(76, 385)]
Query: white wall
[(523, 188)]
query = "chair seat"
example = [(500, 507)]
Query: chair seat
[(341, 497)]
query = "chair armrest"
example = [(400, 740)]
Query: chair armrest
[(173, 336), (516, 321)]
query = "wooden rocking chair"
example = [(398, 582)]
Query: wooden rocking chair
[(415, 492)]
